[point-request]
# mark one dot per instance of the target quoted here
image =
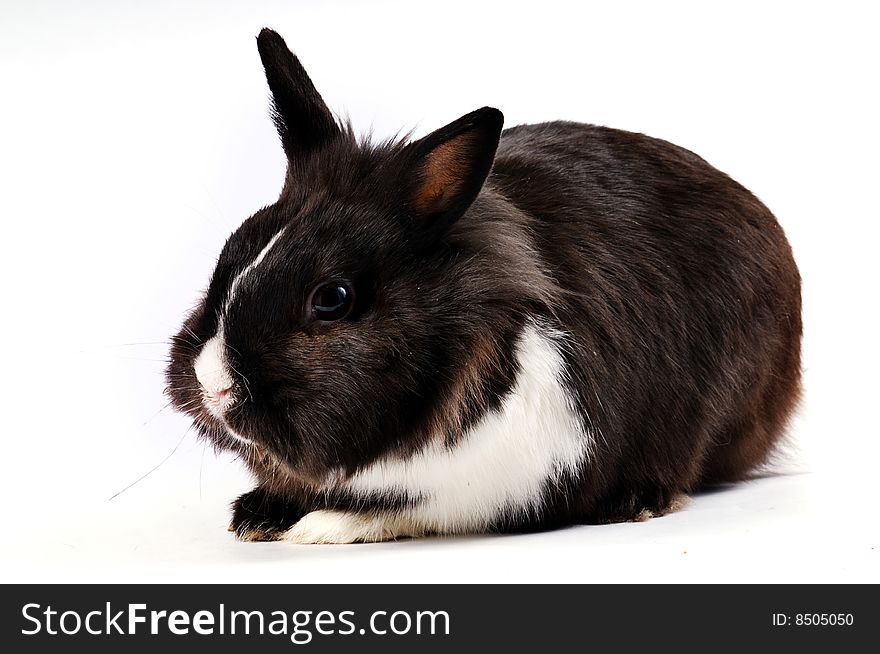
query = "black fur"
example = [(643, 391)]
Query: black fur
[(675, 285)]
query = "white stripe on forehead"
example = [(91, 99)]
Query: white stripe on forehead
[(249, 269)]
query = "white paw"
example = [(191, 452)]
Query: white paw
[(344, 527)]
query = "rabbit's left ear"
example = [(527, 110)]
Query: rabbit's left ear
[(447, 168), (303, 120)]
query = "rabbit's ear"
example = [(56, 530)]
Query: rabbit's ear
[(448, 167), (303, 120)]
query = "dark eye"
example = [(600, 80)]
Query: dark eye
[(332, 301)]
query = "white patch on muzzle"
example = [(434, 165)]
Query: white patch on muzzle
[(212, 371)]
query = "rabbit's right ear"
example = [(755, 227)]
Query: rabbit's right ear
[(447, 168), (303, 120)]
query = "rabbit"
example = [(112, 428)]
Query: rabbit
[(485, 331)]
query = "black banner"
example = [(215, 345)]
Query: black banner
[(429, 618)]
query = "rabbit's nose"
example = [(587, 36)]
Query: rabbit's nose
[(222, 393), (216, 394), (217, 401)]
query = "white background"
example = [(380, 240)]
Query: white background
[(135, 137)]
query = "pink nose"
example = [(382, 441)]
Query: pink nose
[(217, 395), (221, 393), (217, 400)]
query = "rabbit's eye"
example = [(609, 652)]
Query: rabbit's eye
[(332, 301)]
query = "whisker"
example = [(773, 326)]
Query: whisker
[(189, 404), (107, 347), (193, 334), (201, 466), (247, 386), (152, 417), (152, 470), (124, 358)]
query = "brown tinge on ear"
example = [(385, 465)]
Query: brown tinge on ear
[(446, 169), (443, 174)]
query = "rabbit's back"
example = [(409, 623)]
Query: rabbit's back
[(681, 298)]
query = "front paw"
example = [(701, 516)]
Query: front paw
[(328, 526), (261, 516), (677, 503)]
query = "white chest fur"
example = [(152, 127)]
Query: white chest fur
[(504, 462)]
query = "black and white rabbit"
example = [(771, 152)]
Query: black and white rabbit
[(487, 331)]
